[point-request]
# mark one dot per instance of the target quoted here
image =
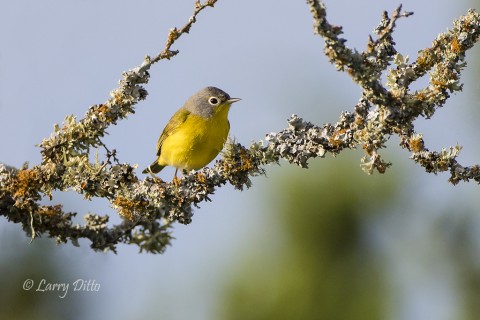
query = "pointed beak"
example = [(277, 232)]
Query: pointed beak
[(232, 100)]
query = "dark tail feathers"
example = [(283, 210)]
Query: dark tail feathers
[(153, 168)]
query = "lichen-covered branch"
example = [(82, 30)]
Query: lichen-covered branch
[(66, 166), (149, 206)]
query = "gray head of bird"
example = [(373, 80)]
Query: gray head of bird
[(208, 101)]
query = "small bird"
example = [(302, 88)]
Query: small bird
[(196, 133)]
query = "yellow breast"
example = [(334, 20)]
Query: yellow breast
[(196, 142)]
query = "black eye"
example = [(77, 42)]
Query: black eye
[(213, 101)]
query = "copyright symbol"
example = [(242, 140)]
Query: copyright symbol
[(28, 284)]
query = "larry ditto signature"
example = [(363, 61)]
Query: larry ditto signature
[(62, 287)]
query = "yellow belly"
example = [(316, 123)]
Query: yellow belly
[(196, 142)]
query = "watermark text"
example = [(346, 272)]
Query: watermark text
[(79, 285)]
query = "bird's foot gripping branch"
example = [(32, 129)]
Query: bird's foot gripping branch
[(149, 206)]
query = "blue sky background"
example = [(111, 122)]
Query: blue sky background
[(60, 57)]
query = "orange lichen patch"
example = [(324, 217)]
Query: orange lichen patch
[(118, 97), (443, 77), (336, 139), (24, 184), (129, 208), (172, 36), (368, 149), (201, 178), (351, 72), (423, 56), (103, 109), (439, 83), (467, 23), (359, 121), (425, 59), (242, 162), (416, 143), (455, 46), (50, 210), (246, 162), (420, 96)]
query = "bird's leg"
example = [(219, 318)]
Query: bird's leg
[(175, 180)]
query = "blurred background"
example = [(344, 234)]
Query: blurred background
[(329, 242)]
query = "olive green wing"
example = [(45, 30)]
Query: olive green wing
[(177, 119)]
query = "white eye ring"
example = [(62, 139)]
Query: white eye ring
[(214, 101)]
